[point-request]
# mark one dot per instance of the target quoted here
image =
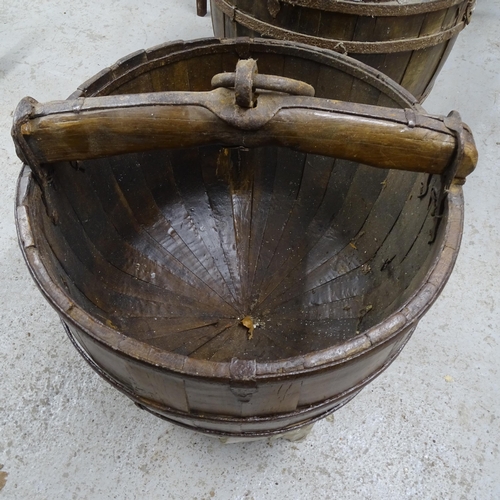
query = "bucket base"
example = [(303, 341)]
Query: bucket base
[(294, 436)]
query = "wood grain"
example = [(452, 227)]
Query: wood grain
[(153, 258)]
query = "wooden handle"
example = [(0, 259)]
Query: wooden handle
[(103, 126)]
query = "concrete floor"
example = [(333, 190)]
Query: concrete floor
[(429, 427)]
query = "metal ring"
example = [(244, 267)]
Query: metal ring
[(246, 70), (246, 79)]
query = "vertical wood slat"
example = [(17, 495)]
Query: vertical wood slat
[(218, 22), (438, 57), (426, 61), (241, 181)]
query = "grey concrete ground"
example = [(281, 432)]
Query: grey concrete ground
[(428, 428)]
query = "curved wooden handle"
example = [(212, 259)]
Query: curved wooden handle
[(103, 126)]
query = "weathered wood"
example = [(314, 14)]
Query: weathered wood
[(97, 127), (157, 260)]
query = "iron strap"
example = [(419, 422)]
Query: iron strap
[(451, 174), (454, 123)]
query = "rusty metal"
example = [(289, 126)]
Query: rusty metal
[(244, 83), (248, 82)]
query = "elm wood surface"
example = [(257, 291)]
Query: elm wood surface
[(153, 258), (97, 127), (407, 41)]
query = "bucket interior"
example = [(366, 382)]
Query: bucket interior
[(216, 252)]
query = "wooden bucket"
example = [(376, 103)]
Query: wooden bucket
[(408, 41), (226, 258)]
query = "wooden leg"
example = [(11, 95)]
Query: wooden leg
[(201, 7)]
